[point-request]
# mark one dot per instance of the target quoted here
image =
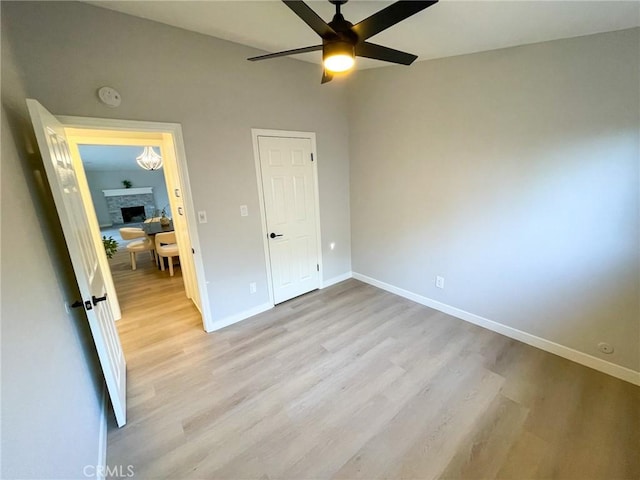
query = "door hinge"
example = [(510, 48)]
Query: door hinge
[(193, 251), (318, 267), (312, 157)]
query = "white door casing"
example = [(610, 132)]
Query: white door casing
[(180, 222), (106, 131), (61, 175), (288, 180)]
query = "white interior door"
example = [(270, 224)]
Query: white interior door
[(288, 186), (82, 250), (96, 235)]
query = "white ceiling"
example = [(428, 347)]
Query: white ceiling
[(451, 27), (110, 157)]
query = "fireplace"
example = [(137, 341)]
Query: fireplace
[(122, 199), (133, 214)]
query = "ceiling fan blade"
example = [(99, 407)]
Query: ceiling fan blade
[(378, 52), (295, 51), (311, 18), (326, 76), (387, 17)]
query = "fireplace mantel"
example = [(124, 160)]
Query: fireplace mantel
[(119, 192)]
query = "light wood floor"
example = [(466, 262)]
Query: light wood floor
[(352, 382)]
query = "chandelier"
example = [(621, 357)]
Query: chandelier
[(149, 159)]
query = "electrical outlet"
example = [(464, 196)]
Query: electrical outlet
[(252, 287), (244, 211), (202, 216), (440, 282)]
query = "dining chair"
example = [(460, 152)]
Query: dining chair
[(166, 247), (140, 243)]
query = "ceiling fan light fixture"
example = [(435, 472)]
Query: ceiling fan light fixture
[(341, 39), (149, 159), (338, 56)]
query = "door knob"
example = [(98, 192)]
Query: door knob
[(273, 235), (98, 299)]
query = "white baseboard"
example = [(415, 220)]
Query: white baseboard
[(238, 317), (336, 279), (101, 464), (577, 356)]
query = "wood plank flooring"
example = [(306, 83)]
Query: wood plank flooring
[(352, 382)]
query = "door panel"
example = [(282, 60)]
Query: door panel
[(278, 199), (289, 198), (61, 175)]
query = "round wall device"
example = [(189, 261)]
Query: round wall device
[(109, 96)]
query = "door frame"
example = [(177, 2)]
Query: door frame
[(262, 132), (175, 130)]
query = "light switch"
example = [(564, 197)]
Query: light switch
[(202, 216), (244, 211)]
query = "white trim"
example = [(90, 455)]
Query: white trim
[(582, 358), (101, 463), (336, 279), (263, 214), (261, 132), (119, 192), (174, 129), (238, 317)]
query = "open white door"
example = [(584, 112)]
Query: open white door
[(84, 257)]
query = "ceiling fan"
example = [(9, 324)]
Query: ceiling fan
[(342, 41)]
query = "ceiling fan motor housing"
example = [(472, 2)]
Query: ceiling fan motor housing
[(343, 30), (338, 47)]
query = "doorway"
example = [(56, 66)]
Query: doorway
[(287, 174), (166, 139)]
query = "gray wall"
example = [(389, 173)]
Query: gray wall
[(513, 174), (170, 75), (99, 180), (51, 392), (63, 52)]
